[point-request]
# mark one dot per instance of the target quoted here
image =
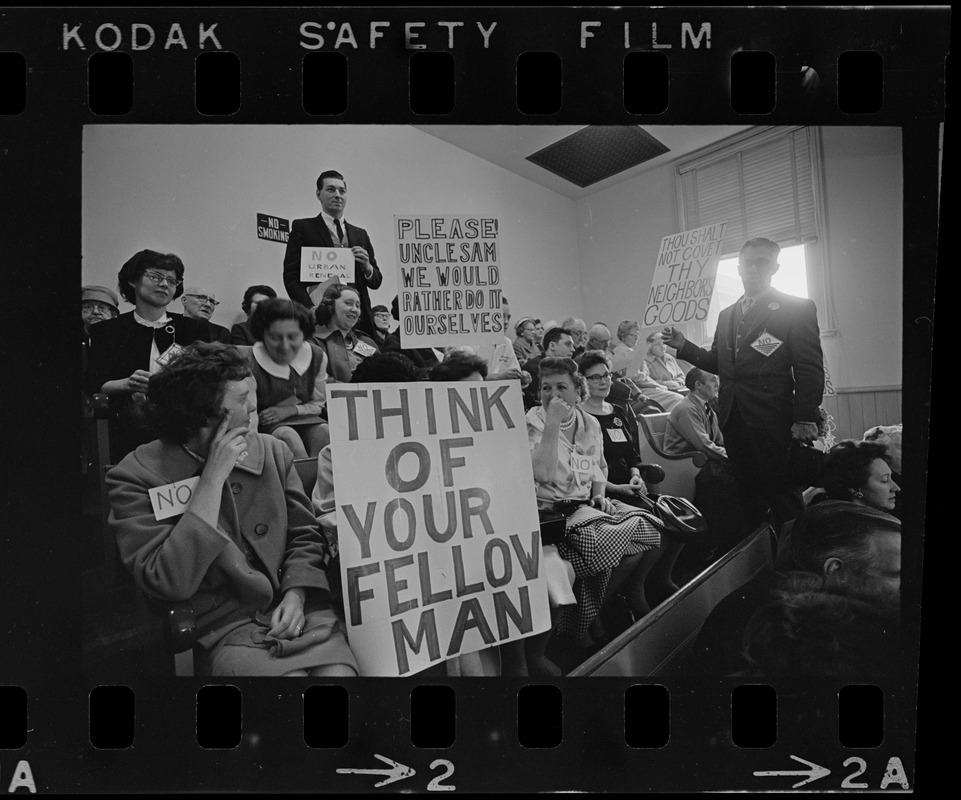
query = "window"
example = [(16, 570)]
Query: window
[(791, 278), (765, 182)]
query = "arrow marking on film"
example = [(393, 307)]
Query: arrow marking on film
[(815, 772), (397, 772)]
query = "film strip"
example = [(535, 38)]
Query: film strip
[(73, 724)]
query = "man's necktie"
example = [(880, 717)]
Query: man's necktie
[(710, 420), (340, 232)]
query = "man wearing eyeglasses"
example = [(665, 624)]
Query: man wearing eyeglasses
[(127, 350), (767, 352), (330, 229), (199, 303)]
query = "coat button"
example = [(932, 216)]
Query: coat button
[(261, 528), (236, 488)]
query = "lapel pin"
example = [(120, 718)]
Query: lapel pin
[(774, 306)]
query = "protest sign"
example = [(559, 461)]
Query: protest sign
[(319, 264), (449, 279), (436, 521), (684, 276)]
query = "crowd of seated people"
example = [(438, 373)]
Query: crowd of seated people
[(236, 415)]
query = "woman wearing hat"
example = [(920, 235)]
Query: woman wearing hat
[(97, 303), (525, 344)]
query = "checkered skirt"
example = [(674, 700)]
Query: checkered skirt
[(595, 543)]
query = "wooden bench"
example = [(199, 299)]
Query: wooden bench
[(649, 647)]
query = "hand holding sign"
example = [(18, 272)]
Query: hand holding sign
[(673, 337), (361, 255)]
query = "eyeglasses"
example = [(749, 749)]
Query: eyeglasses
[(204, 299), (93, 305), (382, 314), (156, 277), (604, 376)]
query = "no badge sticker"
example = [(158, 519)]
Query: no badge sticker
[(766, 344)]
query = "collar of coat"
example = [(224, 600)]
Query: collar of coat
[(171, 463)]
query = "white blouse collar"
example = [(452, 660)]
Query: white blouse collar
[(300, 363), (164, 320)]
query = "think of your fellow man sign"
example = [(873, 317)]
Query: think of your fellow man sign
[(437, 522)]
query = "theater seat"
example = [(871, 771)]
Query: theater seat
[(679, 470)]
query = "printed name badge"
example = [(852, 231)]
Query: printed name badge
[(318, 264), (766, 344), (364, 349), (172, 498), (167, 354), (616, 434), (582, 466)]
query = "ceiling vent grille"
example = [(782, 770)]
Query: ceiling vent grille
[(598, 152)]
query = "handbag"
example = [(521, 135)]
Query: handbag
[(554, 519), (678, 516)]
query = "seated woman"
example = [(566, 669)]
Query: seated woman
[(630, 364), (567, 451), (126, 350), (241, 332), (860, 472), (620, 449), (337, 315), (291, 376), (662, 367), (244, 549)]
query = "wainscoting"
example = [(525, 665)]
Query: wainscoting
[(856, 410)]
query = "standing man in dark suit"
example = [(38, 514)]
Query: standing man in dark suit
[(767, 352), (330, 229)]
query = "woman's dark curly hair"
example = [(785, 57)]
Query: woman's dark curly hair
[(847, 465), (325, 308), (252, 292), (390, 367), (593, 358), (563, 366), (270, 311), (186, 394), (458, 365), (139, 263)]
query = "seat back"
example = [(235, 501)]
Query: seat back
[(307, 470), (679, 470), (651, 645)]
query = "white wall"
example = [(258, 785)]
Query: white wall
[(620, 228), (619, 231), (864, 196), (195, 191)]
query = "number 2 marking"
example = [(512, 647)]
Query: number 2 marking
[(436, 786), (849, 782)]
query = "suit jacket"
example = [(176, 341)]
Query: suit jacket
[(313, 232), (266, 540), (774, 384)]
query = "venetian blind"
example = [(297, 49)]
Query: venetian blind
[(761, 186)]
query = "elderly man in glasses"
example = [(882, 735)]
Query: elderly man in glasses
[(199, 303), (127, 350)]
